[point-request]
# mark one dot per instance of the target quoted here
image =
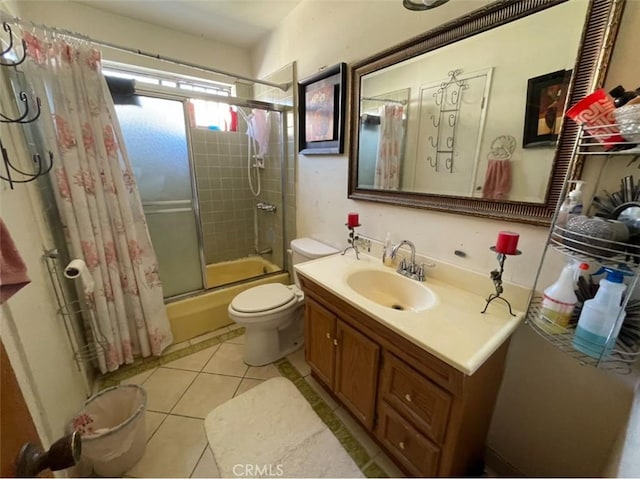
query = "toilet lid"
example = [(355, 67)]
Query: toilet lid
[(262, 298)]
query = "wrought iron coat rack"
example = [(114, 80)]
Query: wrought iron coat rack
[(25, 117)]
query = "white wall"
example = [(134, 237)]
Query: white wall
[(553, 417)]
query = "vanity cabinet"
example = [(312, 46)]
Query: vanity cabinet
[(344, 359), (431, 418)]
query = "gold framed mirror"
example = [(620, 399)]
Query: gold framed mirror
[(596, 29)]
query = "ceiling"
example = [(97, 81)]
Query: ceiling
[(238, 22)]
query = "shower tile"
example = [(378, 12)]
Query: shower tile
[(206, 393), (247, 384), (174, 450), (165, 388), (262, 372), (206, 466), (193, 362), (228, 360)]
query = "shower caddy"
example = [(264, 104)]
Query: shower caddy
[(597, 252)]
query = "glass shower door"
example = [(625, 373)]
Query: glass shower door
[(155, 135)]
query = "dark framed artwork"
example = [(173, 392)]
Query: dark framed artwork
[(546, 96), (322, 98)]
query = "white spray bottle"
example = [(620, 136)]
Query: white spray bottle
[(560, 299)]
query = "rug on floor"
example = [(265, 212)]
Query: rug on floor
[(283, 437)]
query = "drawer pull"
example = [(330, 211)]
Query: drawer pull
[(401, 445), (328, 335), (407, 397), (335, 342)]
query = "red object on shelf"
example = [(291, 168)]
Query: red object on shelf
[(353, 220), (507, 242), (595, 112)]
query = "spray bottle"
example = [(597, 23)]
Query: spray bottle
[(560, 299), (572, 205), (602, 316)]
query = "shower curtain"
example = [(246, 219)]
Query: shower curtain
[(97, 198), (387, 174)]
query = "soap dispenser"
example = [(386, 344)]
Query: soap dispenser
[(572, 205), (386, 251), (601, 317)]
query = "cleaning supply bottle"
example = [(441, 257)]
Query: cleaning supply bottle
[(386, 251), (601, 317), (572, 205), (560, 299)]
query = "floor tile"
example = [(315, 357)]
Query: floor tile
[(262, 372), (317, 387), (299, 362), (247, 384), (165, 387), (388, 465), (358, 432), (205, 336), (174, 450), (176, 347), (206, 393), (152, 421), (139, 378), (233, 327), (207, 466), (193, 362), (228, 359), (237, 340)]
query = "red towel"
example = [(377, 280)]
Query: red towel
[(13, 272), (497, 181)]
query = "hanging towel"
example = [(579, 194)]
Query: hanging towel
[(259, 130), (13, 272), (497, 182)]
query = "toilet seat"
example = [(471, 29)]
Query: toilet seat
[(265, 297)]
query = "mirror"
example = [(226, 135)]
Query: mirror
[(467, 118)]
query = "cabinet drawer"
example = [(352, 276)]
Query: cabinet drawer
[(415, 397), (417, 453)]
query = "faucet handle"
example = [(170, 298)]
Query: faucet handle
[(420, 273), (403, 265)]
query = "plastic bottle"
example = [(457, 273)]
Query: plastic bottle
[(560, 299), (601, 317), (386, 251), (572, 205), (620, 96)]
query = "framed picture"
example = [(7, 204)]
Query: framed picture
[(322, 100), (546, 97)]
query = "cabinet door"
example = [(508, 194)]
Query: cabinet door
[(320, 336), (357, 374)]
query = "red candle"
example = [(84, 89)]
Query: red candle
[(507, 242), (352, 220)]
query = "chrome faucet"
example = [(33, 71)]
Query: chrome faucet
[(411, 269)]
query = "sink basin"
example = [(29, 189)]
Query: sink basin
[(392, 290)]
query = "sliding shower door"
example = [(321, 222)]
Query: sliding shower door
[(155, 135)]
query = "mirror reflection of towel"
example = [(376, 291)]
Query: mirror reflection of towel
[(13, 272), (497, 181)]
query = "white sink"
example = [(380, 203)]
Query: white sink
[(392, 290)]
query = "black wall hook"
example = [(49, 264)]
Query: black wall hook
[(7, 28)]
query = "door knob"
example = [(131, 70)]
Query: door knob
[(401, 445)]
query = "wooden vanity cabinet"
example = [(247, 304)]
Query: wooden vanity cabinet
[(343, 359), (429, 417)]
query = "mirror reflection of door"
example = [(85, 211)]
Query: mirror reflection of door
[(450, 129)]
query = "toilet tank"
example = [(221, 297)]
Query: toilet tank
[(306, 249)]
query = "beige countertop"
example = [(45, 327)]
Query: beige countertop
[(453, 329)]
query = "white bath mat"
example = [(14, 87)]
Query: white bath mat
[(272, 431)]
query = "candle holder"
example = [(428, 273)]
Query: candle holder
[(496, 277), (353, 237)]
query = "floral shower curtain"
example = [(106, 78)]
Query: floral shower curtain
[(98, 199), (389, 147)]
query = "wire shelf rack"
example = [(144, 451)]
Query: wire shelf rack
[(619, 359), (594, 140)]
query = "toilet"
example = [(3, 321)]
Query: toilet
[(273, 313)]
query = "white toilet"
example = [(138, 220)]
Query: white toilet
[(272, 313)]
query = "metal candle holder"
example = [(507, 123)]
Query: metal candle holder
[(353, 237), (496, 277)]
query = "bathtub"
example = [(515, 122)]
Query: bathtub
[(207, 312)]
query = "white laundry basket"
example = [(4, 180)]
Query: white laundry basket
[(112, 428)]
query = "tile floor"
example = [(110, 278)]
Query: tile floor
[(181, 393)]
